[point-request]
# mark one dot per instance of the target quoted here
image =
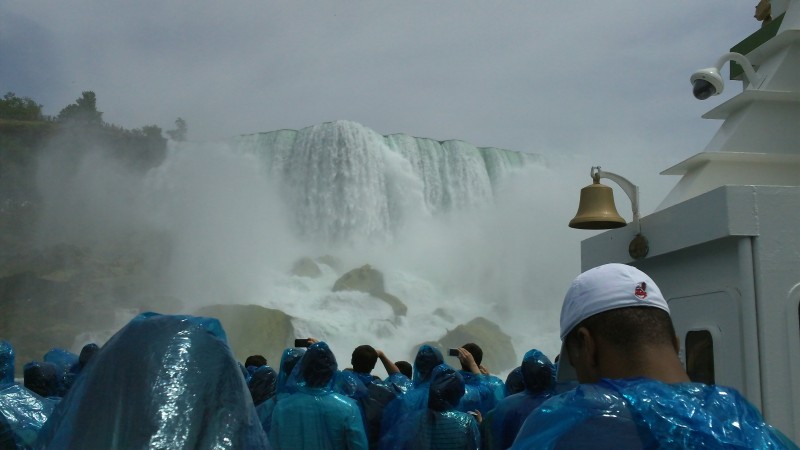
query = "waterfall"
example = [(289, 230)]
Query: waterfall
[(345, 182), (458, 231)]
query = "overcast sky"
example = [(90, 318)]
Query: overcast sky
[(601, 83), (522, 75)]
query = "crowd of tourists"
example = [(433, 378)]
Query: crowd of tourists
[(171, 382)]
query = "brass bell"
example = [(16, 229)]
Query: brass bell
[(596, 210)]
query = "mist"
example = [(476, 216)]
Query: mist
[(212, 224)]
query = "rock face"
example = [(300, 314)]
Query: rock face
[(253, 330), (306, 267), (498, 351), (369, 280), (51, 297), (39, 314)]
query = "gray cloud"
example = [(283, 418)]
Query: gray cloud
[(530, 76)]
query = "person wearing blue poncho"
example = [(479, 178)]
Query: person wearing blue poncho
[(167, 382), (377, 393), (619, 341), (263, 389), (439, 426), (314, 417), (6, 364), (538, 375), (415, 399), (41, 378), (514, 383), (262, 384), (289, 358), (22, 412), (483, 391)]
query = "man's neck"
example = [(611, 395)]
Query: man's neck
[(659, 363)]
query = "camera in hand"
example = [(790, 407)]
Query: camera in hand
[(301, 342), (453, 352)]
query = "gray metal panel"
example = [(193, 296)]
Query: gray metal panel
[(714, 276)]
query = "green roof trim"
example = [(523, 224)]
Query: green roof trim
[(752, 42)]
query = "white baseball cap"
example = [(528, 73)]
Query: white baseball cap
[(601, 289)]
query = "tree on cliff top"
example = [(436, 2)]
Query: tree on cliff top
[(19, 108), (83, 111), (179, 133)]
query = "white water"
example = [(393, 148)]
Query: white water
[(459, 232)]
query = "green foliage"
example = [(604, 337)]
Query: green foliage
[(19, 108), (179, 133), (83, 111), (152, 131)]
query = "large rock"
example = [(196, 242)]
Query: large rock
[(364, 279), (253, 330), (498, 351), (306, 267), (331, 261), (62, 295), (37, 314), (369, 280)]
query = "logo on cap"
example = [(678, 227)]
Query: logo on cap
[(641, 291)]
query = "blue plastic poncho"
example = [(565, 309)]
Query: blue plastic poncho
[(23, 413), (399, 383), (481, 393), (644, 413), (160, 382), (6, 364), (439, 426), (426, 360), (514, 382), (349, 384), (65, 363), (264, 413), (537, 372), (289, 359), (41, 378), (87, 353), (7, 441), (372, 401), (262, 384), (314, 417), (415, 399)]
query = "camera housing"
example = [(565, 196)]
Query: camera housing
[(706, 82)]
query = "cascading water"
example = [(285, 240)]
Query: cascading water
[(452, 227), (345, 182)]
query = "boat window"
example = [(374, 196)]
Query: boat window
[(700, 356)]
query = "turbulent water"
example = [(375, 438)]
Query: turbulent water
[(458, 231)]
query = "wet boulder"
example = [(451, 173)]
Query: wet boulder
[(498, 351), (369, 280), (306, 267), (253, 329)]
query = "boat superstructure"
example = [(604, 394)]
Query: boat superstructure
[(724, 245)]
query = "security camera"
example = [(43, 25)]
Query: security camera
[(706, 82)]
